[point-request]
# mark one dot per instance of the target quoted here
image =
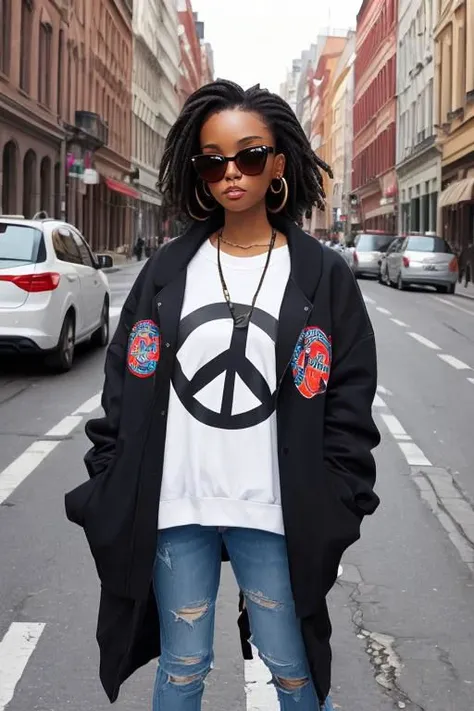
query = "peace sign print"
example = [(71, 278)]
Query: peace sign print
[(229, 366)]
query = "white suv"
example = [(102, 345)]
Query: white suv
[(53, 292)]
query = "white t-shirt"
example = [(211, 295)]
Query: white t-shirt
[(221, 459)]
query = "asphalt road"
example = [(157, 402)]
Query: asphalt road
[(403, 611)]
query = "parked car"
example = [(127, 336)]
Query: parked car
[(423, 260), (383, 262), (369, 248), (53, 292)]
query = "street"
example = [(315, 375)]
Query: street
[(403, 609)]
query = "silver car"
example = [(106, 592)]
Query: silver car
[(369, 248), (424, 260)]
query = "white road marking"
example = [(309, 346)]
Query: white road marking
[(383, 391), (378, 402), (471, 380), (89, 405), (367, 299), (261, 694), (65, 426), (15, 650), (22, 466), (399, 323), (424, 341), (414, 455), (384, 311), (454, 362), (455, 306), (393, 424), (115, 311)]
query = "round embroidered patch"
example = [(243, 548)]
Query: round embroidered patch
[(311, 362), (143, 349)]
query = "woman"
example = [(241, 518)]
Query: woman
[(237, 403)]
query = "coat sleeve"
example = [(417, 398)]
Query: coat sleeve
[(103, 431), (350, 432)]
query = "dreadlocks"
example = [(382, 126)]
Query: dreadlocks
[(177, 178)]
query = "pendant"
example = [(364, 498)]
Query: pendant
[(242, 321)]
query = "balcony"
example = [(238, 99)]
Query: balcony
[(89, 131), (92, 126)]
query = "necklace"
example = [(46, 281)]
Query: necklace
[(243, 320), (244, 246)]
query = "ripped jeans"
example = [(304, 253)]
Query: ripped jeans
[(186, 580)]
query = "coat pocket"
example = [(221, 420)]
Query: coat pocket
[(76, 501)]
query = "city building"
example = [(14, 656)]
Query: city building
[(454, 122), (207, 63), (341, 158), (156, 73), (374, 179), (321, 82), (289, 88), (97, 77), (32, 97), (418, 155), (191, 32)]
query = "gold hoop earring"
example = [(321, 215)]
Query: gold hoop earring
[(280, 188), (194, 217), (200, 202), (284, 187), (206, 191)]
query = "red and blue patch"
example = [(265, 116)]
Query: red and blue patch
[(311, 362), (144, 345)]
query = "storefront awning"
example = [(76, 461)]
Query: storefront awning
[(123, 188), (382, 210), (459, 191)]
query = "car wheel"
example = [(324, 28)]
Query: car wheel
[(452, 289), (401, 286), (100, 338), (62, 358)]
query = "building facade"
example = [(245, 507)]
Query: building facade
[(341, 157), (374, 177), (32, 99), (418, 155), (190, 44), (207, 63), (454, 121), (322, 90), (156, 73)]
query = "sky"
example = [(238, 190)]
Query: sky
[(255, 41)]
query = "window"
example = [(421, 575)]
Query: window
[(60, 72), (84, 251), (44, 64), (65, 247), (427, 244), (5, 34), (25, 48), (19, 244)]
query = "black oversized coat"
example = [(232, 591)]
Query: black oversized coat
[(327, 470)]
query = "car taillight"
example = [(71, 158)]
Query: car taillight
[(33, 283), (356, 258), (453, 265), (406, 262)]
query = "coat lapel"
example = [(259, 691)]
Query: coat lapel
[(306, 269)]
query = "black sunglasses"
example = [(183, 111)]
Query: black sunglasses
[(250, 161)]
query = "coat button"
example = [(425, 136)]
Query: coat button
[(163, 413), (306, 308), (168, 345)]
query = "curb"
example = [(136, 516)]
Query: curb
[(121, 267)]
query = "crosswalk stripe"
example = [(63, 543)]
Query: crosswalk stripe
[(16, 648)]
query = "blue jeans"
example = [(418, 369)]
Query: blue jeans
[(186, 580)]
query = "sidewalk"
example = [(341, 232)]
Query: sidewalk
[(466, 292)]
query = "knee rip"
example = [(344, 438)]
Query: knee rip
[(292, 684), (191, 614), (184, 680), (259, 599)]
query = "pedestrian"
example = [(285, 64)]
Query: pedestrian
[(139, 244), (237, 424)]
